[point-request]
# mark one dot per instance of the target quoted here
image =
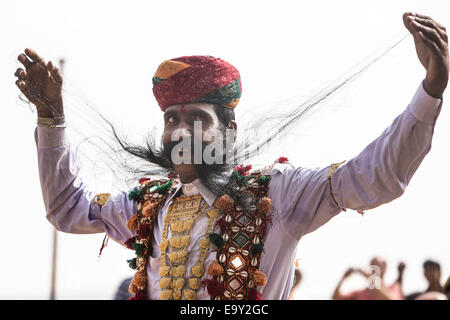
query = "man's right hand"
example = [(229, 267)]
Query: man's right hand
[(41, 83), (348, 273)]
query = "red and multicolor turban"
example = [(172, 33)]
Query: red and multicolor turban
[(193, 79)]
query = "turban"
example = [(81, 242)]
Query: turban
[(193, 79)]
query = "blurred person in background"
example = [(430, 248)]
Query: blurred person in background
[(376, 289), (432, 273), (297, 280), (446, 288), (122, 292)]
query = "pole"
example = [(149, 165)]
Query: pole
[(55, 234)]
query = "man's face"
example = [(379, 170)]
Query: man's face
[(181, 119), (380, 263), (432, 274)]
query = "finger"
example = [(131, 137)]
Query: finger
[(20, 73), (422, 16), (430, 33), (430, 44), (432, 24), (24, 60), (34, 56), (407, 19), (54, 72), (21, 85)]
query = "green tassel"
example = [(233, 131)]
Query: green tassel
[(164, 188), (236, 175), (135, 194), (132, 263), (216, 239), (140, 248), (263, 180), (257, 248)]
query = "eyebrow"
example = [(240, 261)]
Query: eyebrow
[(176, 113), (202, 113), (170, 113)]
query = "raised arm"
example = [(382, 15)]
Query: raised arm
[(70, 205), (381, 172), (337, 294), (307, 198)]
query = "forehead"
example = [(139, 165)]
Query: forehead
[(206, 107)]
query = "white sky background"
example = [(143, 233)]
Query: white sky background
[(283, 50)]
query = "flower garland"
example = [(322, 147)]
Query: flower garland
[(149, 197), (235, 272)]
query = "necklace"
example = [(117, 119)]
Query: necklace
[(181, 216)]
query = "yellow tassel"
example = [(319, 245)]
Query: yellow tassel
[(176, 294), (178, 283), (197, 270), (213, 213), (164, 282), (224, 202), (133, 222), (204, 243), (101, 199), (264, 205), (178, 256), (177, 272), (139, 279), (189, 294), (194, 283), (165, 294), (214, 269), (164, 270), (179, 242), (132, 288), (259, 278), (148, 209), (163, 245)]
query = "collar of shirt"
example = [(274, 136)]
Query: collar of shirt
[(195, 187)]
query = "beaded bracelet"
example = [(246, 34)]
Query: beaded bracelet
[(56, 122)]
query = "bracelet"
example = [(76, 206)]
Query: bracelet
[(56, 122)]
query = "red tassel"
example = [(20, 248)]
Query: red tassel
[(104, 244), (213, 286), (142, 180), (222, 224), (243, 170), (283, 160), (144, 230), (172, 175), (140, 295), (263, 229), (130, 242), (267, 220), (254, 294)]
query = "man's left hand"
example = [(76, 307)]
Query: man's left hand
[(431, 42)]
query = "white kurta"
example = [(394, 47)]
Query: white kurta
[(301, 198)]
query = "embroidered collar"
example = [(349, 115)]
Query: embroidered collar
[(197, 186)]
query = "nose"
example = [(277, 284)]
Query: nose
[(180, 133)]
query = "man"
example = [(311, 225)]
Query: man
[(432, 273), (198, 237), (298, 276), (376, 289)]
